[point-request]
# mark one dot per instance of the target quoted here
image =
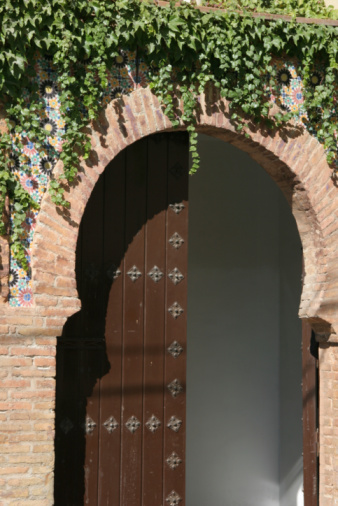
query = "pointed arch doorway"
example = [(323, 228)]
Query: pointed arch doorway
[(120, 414)]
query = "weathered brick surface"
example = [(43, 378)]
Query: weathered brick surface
[(27, 429), (328, 423), (295, 161)]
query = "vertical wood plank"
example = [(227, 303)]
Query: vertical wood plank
[(110, 384), (93, 329), (176, 327), (310, 461), (132, 368), (155, 284), (69, 442)]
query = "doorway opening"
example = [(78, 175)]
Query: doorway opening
[(244, 361)]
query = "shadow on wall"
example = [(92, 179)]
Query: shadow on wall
[(80, 362)]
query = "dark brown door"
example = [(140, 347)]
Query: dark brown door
[(120, 414)]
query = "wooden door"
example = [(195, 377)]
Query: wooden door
[(120, 413)]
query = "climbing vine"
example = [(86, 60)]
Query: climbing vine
[(184, 50)]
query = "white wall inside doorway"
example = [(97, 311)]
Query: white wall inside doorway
[(244, 433)]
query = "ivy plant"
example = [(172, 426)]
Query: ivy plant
[(184, 48)]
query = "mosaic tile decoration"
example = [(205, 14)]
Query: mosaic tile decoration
[(41, 162), (127, 74)]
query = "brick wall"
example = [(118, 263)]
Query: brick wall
[(328, 422), (297, 163), (27, 391)]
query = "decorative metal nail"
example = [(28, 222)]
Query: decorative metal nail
[(156, 274), (175, 349), (176, 240), (177, 170), (90, 425), (134, 273), (175, 388), (173, 460), (66, 425), (111, 424), (175, 310), (113, 272), (176, 276), (153, 423), (177, 208), (133, 424), (92, 272), (174, 424), (173, 498)]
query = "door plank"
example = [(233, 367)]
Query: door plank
[(93, 334), (176, 328), (111, 380), (69, 441), (155, 288), (132, 369)]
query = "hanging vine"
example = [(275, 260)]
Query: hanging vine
[(184, 48)]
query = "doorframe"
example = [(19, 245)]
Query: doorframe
[(310, 393)]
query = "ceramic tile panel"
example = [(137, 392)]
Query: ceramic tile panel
[(128, 73)]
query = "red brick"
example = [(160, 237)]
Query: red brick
[(49, 341), (45, 426), (45, 300), (45, 383), (44, 277), (55, 322), (44, 362), (43, 264), (14, 361), (24, 481), (19, 320), (63, 229), (38, 331), (46, 350), (71, 303), (58, 311), (45, 405), (65, 282), (29, 437), (29, 459), (34, 372), (13, 470), (136, 103), (44, 448), (30, 394), (9, 406), (52, 290), (14, 383)]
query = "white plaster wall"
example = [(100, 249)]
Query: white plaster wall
[(243, 390), (290, 266), (334, 3)]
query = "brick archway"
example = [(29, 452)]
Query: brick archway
[(294, 159)]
